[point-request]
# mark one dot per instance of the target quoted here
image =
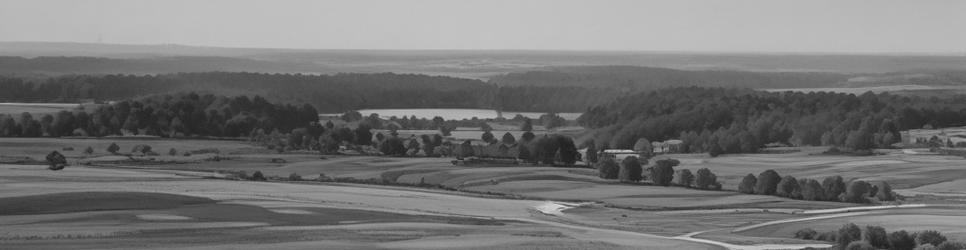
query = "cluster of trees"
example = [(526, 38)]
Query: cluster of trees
[(719, 120), (662, 173), (853, 237), (165, 115), (832, 188)]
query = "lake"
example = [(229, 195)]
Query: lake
[(456, 114)]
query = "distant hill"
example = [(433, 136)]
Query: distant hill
[(53, 66), (482, 64)]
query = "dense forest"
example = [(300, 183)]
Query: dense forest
[(728, 120), (329, 93), (165, 115)]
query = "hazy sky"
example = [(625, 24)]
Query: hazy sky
[(671, 25)]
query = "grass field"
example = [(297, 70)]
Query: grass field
[(38, 108), (595, 214)]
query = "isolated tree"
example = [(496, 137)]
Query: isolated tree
[(706, 179), (812, 191), (566, 150), (113, 148), (834, 187), (685, 178), (930, 237), (466, 149), (767, 182), (630, 170), (847, 234), (487, 137), (608, 168), (788, 187), (901, 240), (89, 150), (258, 176), (523, 153), (663, 172), (885, 192), (363, 134), (509, 139), (294, 177), (173, 152), (748, 184), (856, 192), (56, 160), (806, 234)]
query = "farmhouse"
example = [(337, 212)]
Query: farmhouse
[(923, 136)]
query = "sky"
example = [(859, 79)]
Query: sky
[(845, 26)]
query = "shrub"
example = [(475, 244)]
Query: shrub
[(748, 184), (56, 160), (834, 186), (89, 150), (324, 178), (859, 245), (876, 236), (258, 176), (847, 234), (143, 149), (294, 177), (173, 152), (707, 180), (663, 173), (608, 168), (630, 170), (930, 237), (242, 175), (685, 178), (788, 187), (806, 234), (767, 182), (113, 148), (901, 240)]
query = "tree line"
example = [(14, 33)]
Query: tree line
[(852, 237), (728, 120), (329, 93), (179, 115), (832, 188)]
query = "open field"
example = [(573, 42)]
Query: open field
[(946, 219), (523, 206)]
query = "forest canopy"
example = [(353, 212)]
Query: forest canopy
[(729, 120)]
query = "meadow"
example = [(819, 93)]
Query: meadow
[(423, 203)]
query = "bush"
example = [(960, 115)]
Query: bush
[(294, 177), (323, 178), (258, 176), (806, 234), (707, 180), (608, 169), (859, 245), (930, 237), (630, 170), (89, 150), (242, 175), (901, 240), (748, 184), (847, 234), (142, 149), (113, 148), (788, 188), (876, 236), (173, 152), (767, 182), (685, 178), (827, 236)]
